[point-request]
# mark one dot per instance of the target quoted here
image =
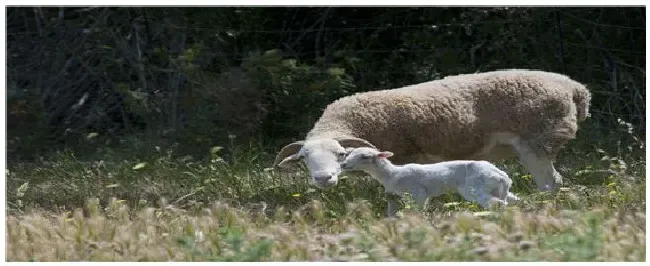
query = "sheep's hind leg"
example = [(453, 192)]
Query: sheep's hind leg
[(541, 167)]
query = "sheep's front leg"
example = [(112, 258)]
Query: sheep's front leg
[(540, 167)]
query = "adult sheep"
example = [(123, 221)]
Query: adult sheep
[(483, 116)]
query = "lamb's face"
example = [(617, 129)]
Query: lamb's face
[(363, 158), (360, 159)]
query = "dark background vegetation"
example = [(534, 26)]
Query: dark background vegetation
[(84, 79)]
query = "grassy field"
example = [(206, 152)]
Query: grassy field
[(145, 203)]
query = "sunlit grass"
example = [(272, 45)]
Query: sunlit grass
[(165, 207)]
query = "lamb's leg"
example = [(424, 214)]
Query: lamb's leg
[(468, 193), (487, 201), (541, 167), (391, 208), (474, 194), (420, 197), (502, 191), (499, 188), (511, 197)]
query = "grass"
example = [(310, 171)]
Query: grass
[(161, 207)]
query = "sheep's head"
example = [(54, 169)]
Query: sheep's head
[(363, 158), (322, 157)]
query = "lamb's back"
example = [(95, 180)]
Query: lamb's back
[(437, 171)]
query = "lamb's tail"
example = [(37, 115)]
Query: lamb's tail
[(582, 99), (506, 183)]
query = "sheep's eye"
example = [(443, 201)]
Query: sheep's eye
[(365, 157)]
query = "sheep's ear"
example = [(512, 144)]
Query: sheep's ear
[(288, 153), (384, 154), (354, 142)]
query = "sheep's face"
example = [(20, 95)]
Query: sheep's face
[(322, 157), (363, 159)]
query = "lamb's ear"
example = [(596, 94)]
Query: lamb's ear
[(384, 154), (288, 153), (348, 150), (354, 142)]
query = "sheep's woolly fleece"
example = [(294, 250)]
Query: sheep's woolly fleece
[(454, 116)]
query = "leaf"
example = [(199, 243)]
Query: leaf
[(336, 71), (113, 185), (289, 62), (296, 195), (215, 150), (451, 204), (483, 213), (92, 135), (139, 166), (22, 189)]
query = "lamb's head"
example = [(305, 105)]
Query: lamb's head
[(321, 155), (363, 159)]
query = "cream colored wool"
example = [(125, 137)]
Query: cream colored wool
[(484, 116)]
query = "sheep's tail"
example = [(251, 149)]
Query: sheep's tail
[(582, 98)]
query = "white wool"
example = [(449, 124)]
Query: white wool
[(477, 181)]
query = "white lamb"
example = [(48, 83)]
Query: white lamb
[(477, 181)]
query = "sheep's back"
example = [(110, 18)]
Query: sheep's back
[(453, 117)]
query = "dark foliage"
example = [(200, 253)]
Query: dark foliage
[(200, 75)]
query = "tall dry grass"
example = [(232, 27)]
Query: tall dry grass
[(162, 207)]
